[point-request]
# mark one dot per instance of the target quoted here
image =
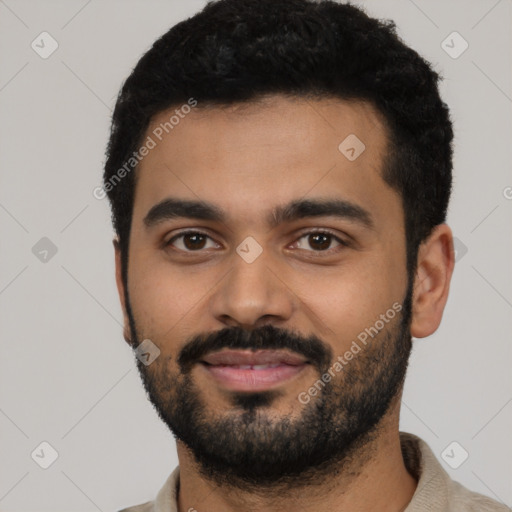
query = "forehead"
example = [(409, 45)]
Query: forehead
[(249, 157)]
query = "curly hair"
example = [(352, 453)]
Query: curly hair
[(239, 50)]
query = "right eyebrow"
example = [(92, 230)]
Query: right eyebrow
[(171, 208)]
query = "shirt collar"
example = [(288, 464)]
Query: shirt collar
[(432, 491)]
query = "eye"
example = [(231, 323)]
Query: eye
[(320, 241), (192, 241)]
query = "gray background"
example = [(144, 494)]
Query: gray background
[(66, 375)]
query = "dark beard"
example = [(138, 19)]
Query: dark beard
[(250, 448)]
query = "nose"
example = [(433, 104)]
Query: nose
[(253, 294)]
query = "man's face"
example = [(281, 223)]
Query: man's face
[(243, 291)]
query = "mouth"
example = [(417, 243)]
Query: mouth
[(244, 370)]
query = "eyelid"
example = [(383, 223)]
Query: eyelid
[(188, 232), (307, 231), (312, 231)]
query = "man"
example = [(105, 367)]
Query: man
[(279, 173)]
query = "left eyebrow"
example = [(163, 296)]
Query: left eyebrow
[(171, 208), (305, 208)]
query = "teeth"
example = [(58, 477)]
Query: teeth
[(264, 366), (255, 366)]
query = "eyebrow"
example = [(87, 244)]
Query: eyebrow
[(171, 208)]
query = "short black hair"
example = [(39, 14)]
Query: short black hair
[(241, 50)]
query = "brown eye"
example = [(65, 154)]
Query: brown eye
[(319, 241), (191, 241), (194, 241)]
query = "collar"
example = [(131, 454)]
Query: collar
[(435, 492)]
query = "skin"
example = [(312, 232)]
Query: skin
[(247, 159)]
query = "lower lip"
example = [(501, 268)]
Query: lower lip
[(238, 379)]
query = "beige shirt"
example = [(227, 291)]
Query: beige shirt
[(436, 491)]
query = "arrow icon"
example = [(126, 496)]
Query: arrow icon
[(44, 455), (147, 352), (454, 455), (454, 45), (44, 45), (44, 250), (351, 147), (249, 249)]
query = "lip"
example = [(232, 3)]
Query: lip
[(244, 370), (249, 357)]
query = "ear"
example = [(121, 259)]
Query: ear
[(121, 291), (436, 259)]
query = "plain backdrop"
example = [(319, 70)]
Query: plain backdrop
[(67, 377)]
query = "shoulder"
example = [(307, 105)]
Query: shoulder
[(149, 506), (436, 490), (465, 500), (166, 499)]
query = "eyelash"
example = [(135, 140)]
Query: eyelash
[(342, 243)]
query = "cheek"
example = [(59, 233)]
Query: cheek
[(164, 299), (351, 301)]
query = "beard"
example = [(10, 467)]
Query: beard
[(249, 446)]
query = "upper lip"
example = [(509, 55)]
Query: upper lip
[(247, 357)]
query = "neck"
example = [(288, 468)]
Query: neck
[(376, 480)]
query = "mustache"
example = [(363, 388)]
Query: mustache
[(311, 347)]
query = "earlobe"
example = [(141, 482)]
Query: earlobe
[(121, 291), (436, 260)]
